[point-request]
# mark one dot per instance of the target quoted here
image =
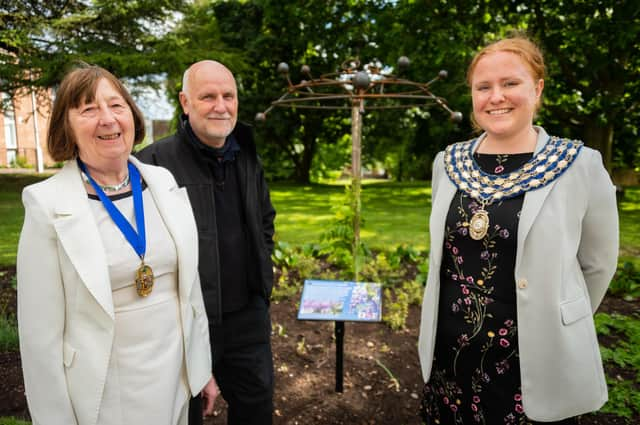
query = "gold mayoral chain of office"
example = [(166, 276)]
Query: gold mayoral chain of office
[(544, 167)]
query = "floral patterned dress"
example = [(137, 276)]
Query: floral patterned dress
[(475, 378)]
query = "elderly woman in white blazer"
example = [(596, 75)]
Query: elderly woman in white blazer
[(110, 332), (560, 202)]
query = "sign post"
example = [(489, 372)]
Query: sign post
[(340, 301), (339, 332)]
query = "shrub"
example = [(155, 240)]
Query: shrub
[(624, 394), (8, 333), (626, 282), (21, 162), (396, 309), (295, 266)]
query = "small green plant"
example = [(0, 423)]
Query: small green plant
[(295, 266), (338, 242), (8, 333), (279, 330), (396, 309), (283, 255), (21, 162), (414, 290), (300, 259), (423, 271), (404, 253), (301, 348), (626, 282), (624, 394), (286, 287), (394, 381)]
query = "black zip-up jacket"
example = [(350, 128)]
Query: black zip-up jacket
[(180, 156)]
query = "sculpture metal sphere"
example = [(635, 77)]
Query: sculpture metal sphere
[(283, 68), (443, 74), (403, 63), (305, 69), (456, 117), (361, 80), (261, 117)]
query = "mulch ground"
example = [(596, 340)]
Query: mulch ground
[(381, 379)]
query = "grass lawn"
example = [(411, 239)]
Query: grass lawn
[(394, 214), (629, 212), (12, 213)]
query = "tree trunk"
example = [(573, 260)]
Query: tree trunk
[(600, 137), (303, 164)]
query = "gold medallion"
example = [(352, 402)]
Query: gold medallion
[(479, 225), (144, 280)]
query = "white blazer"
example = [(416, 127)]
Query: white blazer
[(566, 256), (65, 306)]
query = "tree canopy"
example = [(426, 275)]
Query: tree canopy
[(39, 39), (591, 49)]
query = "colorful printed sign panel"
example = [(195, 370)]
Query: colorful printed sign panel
[(341, 301)]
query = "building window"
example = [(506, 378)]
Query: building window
[(10, 136)]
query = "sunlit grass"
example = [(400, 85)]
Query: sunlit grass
[(12, 421), (393, 213), (12, 213), (629, 212)]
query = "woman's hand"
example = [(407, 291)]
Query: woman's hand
[(209, 394)]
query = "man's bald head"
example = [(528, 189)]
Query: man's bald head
[(209, 98), (204, 66)]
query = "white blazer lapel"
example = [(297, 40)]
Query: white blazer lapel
[(174, 208), (79, 236)]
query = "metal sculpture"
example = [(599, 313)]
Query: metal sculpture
[(371, 86), (353, 88)]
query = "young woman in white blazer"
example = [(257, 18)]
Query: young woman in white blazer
[(524, 243), (110, 312)]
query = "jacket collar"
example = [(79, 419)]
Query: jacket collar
[(79, 236)]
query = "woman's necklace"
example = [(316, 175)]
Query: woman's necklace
[(543, 168), (109, 188)]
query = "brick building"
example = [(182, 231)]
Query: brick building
[(20, 128)]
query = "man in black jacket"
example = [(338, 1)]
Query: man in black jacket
[(215, 158)]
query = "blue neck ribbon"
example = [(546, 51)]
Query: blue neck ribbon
[(137, 240)]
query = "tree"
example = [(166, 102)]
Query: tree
[(39, 39), (592, 50), (318, 34)]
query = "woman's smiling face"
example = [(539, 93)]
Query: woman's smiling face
[(104, 128), (505, 94)]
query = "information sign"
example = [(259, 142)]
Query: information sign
[(340, 301)]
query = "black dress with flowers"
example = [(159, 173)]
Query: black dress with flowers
[(475, 377)]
